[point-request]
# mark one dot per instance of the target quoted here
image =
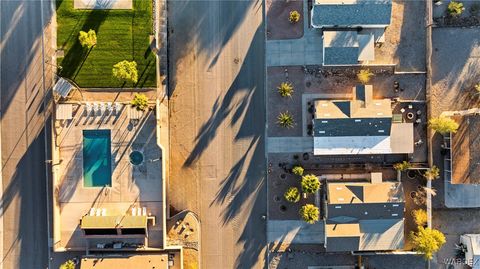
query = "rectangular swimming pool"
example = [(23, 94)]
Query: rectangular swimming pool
[(97, 158)]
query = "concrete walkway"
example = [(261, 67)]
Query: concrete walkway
[(289, 144), (303, 51), (295, 232)]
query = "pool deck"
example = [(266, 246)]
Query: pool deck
[(132, 186)]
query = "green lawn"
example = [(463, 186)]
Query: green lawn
[(121, 35)]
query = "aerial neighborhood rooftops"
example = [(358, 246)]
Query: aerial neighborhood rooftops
[(360, 126)]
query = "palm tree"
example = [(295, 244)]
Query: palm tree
[(285, 89), (432, 173), (309, 213), (285, 119)]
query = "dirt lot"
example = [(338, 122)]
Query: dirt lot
[(413, 86), (278, 25), (405, 37)]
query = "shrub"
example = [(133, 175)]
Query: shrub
[(364, 76), (140, 101), (432, 173), (477, 87), (310, 183), (309, 213), (455, 8), (292, 195), (475, 9), (87, 39), (420, 217), (285, 89), (297, 170), (427, 241), (285, 119), (126, 70), (402, 166), (443, 125), (294, 16), (67, 265)]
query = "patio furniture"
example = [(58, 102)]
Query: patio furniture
[(88, 108), (144, 211), (110, 107), (102, 108), (118, 108), (134, 114), (92, 211), (64, 112), (95, 108)]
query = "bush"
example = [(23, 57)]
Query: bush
[(87, 39), (126, 70), (420, 217), (140, 101), (294, 16), (309, 213), (432, 173), (455, 8), (443, 125), (402, 166), (285, 119), (285, 89), (292, 195), (475, 9), (427, 241), (297, 170), (67, 265), (310, 183), (364, 76)]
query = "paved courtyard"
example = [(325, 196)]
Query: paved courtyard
[(132, 186)]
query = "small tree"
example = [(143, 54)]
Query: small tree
[(297, 170), (292, 195), (126, 70), (420, 217), (427, 241), (68, 265), (294, 16), (403, 166), (477, 87), (140, 101), (310, 183), (432, 173), (309, 213), (87, 39), (285, 119), (285, 89), (364, 76), (455, 8), (443, 125)]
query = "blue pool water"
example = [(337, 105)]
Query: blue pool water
[(97, 158)]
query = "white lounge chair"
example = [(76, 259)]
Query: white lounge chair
[(118, 108), (92, 211), (139, 211), (109, 107), (102, 108), (95, 108), (98, 212), (104, 211), (134, 211), (144, 211), (88, 108)]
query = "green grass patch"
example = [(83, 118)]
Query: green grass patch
[(121, 35)]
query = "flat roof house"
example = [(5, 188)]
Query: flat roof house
[(360, 126), (365, 216)]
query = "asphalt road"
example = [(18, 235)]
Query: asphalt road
[(217, 126), (24, 203)]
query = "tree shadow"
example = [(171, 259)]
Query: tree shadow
[(76, 56)]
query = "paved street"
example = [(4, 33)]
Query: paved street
[(24, 203), (217, 126)]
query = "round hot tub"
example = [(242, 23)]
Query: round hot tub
[(136, 157)]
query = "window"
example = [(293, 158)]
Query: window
[(338, 206), (358, 120)]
